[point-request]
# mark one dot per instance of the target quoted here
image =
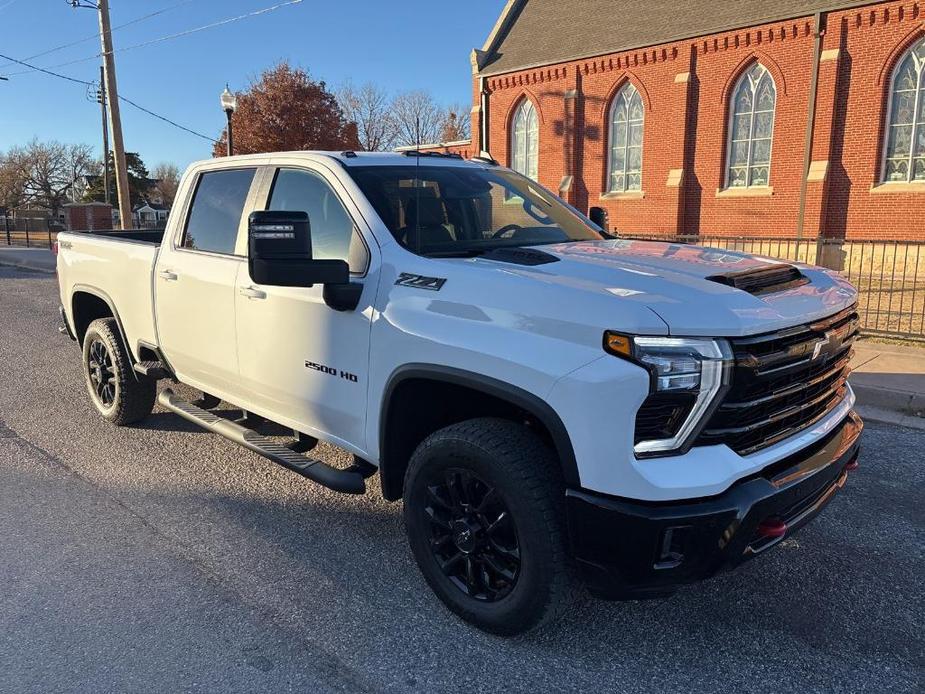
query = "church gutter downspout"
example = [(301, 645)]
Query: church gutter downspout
[(819, 33)]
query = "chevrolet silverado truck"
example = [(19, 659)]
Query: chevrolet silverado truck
[(555, 405)]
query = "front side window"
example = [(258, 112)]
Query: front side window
[(752, 128), (215, 214), (525, 137), (466, 210), (626, 121), (905, 137), (334, 235)]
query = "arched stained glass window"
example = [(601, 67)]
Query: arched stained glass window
[(905, 137), (751, 129), (525, 135), (626, 125)]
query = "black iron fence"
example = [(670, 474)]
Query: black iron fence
[(889, 274), (28, 232)]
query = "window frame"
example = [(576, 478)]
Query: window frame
[(179, 240), (918, 119), (524, 103), (614, 102), (730, 123), (266, 196)]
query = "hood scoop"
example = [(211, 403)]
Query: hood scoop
[(520, 256), (763, 280)]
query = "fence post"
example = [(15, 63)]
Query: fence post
[(49, 236), (27, 232), (6, 224)]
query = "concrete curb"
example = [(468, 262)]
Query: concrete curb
[(26, 263), (877, 414), (904, 403), (26, 266)]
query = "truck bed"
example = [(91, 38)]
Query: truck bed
[(117, 267)]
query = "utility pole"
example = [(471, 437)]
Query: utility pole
[(102, 99), (115, 119)]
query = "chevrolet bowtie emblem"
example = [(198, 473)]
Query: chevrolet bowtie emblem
[(817, 349)]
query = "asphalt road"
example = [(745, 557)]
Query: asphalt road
[(162, 558)]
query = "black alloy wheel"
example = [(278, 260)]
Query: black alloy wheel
[(101, 372), (473, 537)]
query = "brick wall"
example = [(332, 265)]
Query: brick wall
[(91, 216), (686, 87)]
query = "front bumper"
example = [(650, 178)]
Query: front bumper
[(632, 549)]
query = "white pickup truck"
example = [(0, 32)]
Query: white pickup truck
[(551, 402)]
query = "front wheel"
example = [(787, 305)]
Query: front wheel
[(483, 513), (120, 395)]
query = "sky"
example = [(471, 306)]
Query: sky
[(398, 44)]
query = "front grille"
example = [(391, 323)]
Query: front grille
[(783, 382)]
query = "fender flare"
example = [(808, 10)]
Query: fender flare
[(105, 298), (515, 395)]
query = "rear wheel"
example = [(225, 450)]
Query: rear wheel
[(120, 395), (483, 512)]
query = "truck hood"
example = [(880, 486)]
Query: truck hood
[(671, 280)]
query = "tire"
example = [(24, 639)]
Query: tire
[(118, 393), (499, 594)]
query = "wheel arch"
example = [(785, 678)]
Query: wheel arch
[(398, 439), (90, 303)]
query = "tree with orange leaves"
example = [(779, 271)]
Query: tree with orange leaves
[(286, 110)]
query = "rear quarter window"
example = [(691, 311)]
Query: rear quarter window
[(215, 213)]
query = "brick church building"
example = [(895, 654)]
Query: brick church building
[(739, 117)]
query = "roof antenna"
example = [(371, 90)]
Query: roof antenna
[(417, 186)]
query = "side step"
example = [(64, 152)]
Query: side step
[(346, 481), (152, 369)]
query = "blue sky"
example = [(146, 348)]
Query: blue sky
[(403, 44)]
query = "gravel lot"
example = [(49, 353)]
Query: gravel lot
[(162, 558)]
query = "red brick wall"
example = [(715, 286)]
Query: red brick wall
[(686, 86), (88, 217)]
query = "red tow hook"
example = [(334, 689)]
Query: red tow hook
[(772, 527), (853, 465)]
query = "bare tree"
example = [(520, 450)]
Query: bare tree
[(457, 123), (370, 107), (12, 192), (167, 176), (47, 171), (417, 107)]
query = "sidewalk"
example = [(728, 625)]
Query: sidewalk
[(889, 381), (40, 259)]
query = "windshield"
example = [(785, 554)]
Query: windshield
[(454, 210)]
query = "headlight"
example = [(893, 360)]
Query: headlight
[(686, 377)]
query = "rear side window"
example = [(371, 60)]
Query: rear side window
[(216, 210)]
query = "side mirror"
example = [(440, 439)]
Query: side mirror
[(280, 252)]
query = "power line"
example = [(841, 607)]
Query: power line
[(121, 98), (47, 72), (97, 35), (177, 35), (165, 119)]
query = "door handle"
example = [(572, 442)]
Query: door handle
[(168, 275), (253, 293)]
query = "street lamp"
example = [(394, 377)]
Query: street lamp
[(229, 104)]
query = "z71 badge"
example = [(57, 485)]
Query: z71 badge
[(407, 279)]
